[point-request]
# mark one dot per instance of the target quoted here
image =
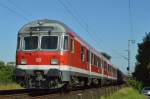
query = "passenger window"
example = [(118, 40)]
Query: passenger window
[(87, 55), (105, 65), (94, 60), (72, 45), (99, 62), (102, 63), (65, 46), (82, 53), (108, 68)]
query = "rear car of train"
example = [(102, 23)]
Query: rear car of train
[(42, 47)]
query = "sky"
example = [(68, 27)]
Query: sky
[(108, 23)]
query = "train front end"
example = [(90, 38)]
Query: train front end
[(40, 51)]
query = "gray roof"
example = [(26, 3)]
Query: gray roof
[(55, 26)]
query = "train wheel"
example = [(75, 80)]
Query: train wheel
[(87, 82), (95, 82), (21, 83), (55, 83), (67, 86), (51, 84), (99, 83)]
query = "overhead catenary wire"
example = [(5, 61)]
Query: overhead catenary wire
[(19, 8), (78, 21), (86, 29), (68, 10), (120, 55), (13, 11), (82, 18), (76, 18)]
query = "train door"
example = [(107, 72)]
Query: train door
[(72, 52), (102, 67), (87, 59), (64, 58), (90, 63)]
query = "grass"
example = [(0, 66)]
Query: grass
[(126, 93), (10, 86)]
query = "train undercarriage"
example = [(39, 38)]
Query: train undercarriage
[(59, 79)]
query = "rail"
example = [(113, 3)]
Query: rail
[(92, 93)]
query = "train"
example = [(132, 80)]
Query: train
[(50, 54)]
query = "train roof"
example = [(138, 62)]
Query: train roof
[(52, 25)]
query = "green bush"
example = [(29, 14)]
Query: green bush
[(6, 73), (126, 93), (135, 84)]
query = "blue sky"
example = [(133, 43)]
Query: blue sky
[(106, 20)]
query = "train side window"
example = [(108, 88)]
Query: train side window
[(92, 59), (82, 53), (99, 63), (102, 63), (65, 45), (72, 45), (87, 56), (109, 68), (95, 60), (105, 65)]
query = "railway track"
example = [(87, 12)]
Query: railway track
[(87, 93)]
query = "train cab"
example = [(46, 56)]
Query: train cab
[(42, 47)]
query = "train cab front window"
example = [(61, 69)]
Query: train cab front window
[(30, 42), (49, 42)]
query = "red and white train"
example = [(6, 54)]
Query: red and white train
[(49, 54)]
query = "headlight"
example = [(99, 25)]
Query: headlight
[(54, 61), (23, 61)]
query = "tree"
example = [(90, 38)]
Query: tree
[(11, 64), (142, 69), (2, 64), (106, 55)]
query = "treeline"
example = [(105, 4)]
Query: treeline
[(7, 72), (142, 68)]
